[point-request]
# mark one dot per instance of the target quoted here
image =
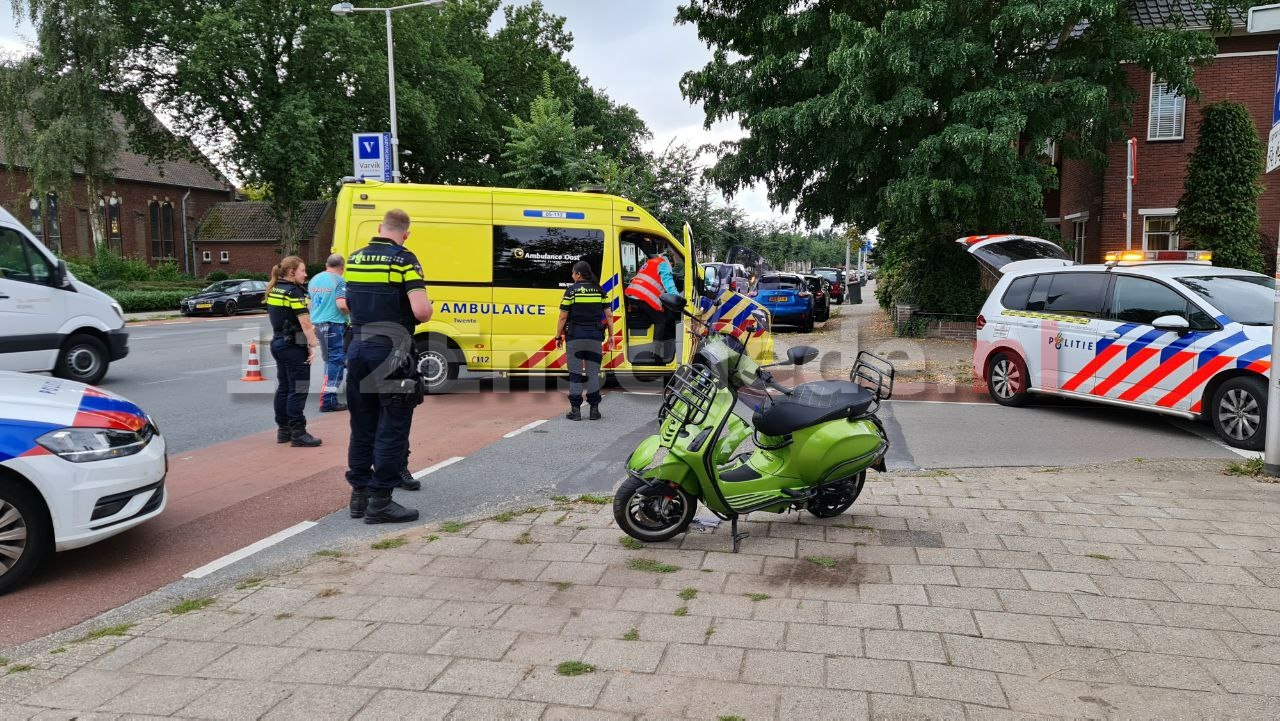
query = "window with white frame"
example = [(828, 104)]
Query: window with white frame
[(1167, 112), (1051, 150), (1160, 232), (224, 256), (1079, 230), (206, 256)]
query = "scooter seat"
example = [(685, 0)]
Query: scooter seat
[(811, 404)]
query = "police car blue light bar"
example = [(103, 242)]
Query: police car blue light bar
[(1165, 256)]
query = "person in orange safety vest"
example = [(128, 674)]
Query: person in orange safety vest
[(653, 279)]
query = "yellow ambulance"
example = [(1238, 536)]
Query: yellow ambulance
[(497, 262)]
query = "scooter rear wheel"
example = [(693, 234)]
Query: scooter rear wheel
[(652, 518), (834, 500)]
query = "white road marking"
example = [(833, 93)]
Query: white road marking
[(249, 550), (166, 380), (442, 464), (1212, 437), (524, 428)]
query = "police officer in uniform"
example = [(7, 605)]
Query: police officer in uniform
[(293, 346), (387, 297), (584, 316)]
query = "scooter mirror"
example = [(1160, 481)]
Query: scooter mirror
[(672, 302), (801, 354)]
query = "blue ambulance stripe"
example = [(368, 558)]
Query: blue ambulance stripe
[(742, 317), (1260, 353), (1121, 330), (610, 284), (18, 437), (1221, 347), (1145, 340)]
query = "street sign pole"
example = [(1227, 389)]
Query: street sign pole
[(1263, 19)]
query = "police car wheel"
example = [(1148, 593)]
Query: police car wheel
[(438, 364), (1007, 379), (24, 533), (1240, 412), (83, 359)]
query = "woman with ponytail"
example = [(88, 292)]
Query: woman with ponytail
[(293, 346), (584, 316)]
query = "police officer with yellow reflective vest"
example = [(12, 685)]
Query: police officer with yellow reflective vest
[(293, 346), (584, 318), (387, 297)]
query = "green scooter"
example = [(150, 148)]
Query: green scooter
[(813, 443)]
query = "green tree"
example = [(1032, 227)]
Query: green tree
[(928, 116), (58, 121), (1219, 206), (548, 151)]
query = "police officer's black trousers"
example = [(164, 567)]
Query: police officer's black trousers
[(293, 375), (379, 431), (584, 356)]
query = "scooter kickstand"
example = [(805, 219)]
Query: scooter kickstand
[(737, 537)]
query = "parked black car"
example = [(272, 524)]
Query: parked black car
[(834, 276), (821, 289), (226, 297)]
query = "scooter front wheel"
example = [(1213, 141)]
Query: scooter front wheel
[(652, 518), (833, 500)]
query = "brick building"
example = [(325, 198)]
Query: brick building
[(245, 236), (143, 206), (1089, 206)]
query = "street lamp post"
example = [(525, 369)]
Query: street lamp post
[(343, 9)]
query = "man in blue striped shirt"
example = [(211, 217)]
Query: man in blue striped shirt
[(330, 320)]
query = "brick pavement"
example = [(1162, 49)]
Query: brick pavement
[(1140, 589)]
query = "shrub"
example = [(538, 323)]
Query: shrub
[(165, 270), (142, 301), (216, 276), (249, 275), (83, 270), (314, 269)]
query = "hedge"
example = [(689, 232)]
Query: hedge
[(142, 301)]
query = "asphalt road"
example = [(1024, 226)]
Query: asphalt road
[(231, 485)]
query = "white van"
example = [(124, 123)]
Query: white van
[(49, 321)]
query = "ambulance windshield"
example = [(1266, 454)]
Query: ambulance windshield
[(1244, 299)]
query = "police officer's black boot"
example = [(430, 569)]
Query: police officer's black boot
[(574, 414), (384, 510), (408, 482), (595, 412), (299, 436), (359, 502), (284, 434)]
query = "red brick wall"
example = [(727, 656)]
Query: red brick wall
[(244, 256), (1081, 187), (1162, 164), (77, 240)]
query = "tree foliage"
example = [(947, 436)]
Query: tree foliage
[(274, 90), (925, 116), (1219, 206), (58, 122), (548, 151)]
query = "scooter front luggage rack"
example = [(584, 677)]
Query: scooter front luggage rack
[(689, 394)]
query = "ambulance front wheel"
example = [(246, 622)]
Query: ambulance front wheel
[(438, 364), (1239, 412), (1007, 379)]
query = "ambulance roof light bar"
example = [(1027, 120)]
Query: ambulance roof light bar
[(1126, 257)]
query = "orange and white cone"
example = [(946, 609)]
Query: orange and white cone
[(252, 370)]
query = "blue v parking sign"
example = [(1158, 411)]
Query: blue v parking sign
[(371, 154)]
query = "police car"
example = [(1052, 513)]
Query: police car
[(1164, 331), (77, 465)]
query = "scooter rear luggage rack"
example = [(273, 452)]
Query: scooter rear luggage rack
[(689, 395)]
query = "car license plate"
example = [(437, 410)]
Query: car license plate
[(204, 305), (779, 299)]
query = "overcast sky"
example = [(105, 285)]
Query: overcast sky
[(632, 49)]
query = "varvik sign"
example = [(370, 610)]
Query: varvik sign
[(371, 153)]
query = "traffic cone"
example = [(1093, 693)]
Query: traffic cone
[(252, 370)]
